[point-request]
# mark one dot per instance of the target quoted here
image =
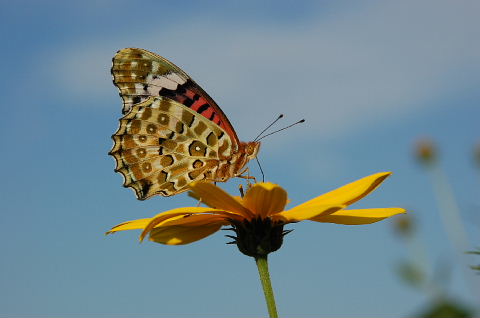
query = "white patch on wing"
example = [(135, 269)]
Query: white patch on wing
[(176, 78), (139, 88), (161, 81), (153, 90)]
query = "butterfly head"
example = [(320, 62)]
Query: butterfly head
[(251, 149)]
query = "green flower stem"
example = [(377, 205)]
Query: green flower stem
[(262, 265)]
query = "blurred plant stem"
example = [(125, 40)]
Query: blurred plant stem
[(417, 270), (420, 261), (449, 211), (448, 208)]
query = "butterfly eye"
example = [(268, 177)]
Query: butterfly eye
[(250, 149)]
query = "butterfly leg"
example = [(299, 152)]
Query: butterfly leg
[(248, 177)]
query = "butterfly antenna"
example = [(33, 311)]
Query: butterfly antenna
[(261, 170), (298, 122), (279, 116)]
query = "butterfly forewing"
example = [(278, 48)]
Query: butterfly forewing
[(161, 146), (139, 74)]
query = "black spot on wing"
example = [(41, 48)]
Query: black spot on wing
[(203, 108), (188, 102), (181, 90), (190, 123), (166, 92)]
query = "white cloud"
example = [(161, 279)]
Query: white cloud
[(355, 68)]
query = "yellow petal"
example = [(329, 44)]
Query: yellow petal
[(216, 198), (349, 193), (305, 213), (358, 217), (179, 235), (265, 199), (186, 229), (130, 225), (194, 220), (176, 213)]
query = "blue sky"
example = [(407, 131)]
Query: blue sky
[(370, 77)]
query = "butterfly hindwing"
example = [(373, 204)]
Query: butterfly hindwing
[(139, 74), (161, 146)]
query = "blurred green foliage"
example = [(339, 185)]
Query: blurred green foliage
[(446, 308)]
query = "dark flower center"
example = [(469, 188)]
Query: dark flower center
[(257, 237)]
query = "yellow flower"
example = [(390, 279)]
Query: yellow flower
[(257, 218)]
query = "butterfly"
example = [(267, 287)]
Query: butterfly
[(172, 132)]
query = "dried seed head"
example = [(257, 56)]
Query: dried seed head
[(425, 151)]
